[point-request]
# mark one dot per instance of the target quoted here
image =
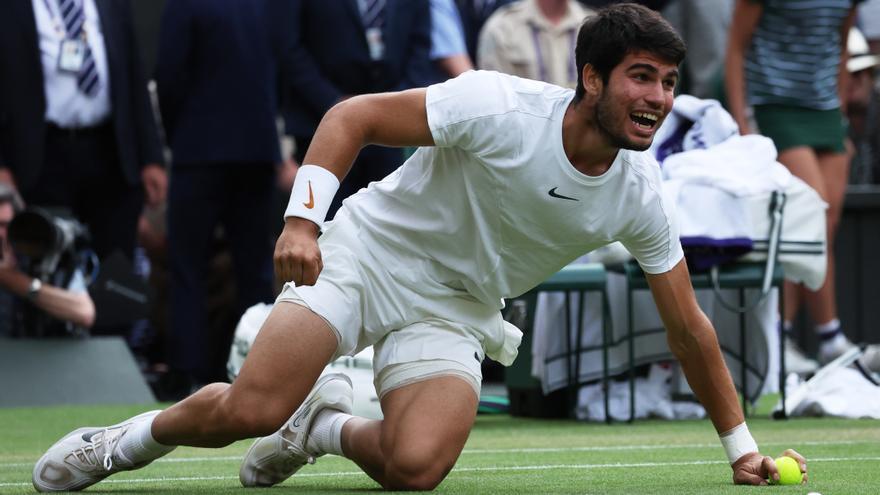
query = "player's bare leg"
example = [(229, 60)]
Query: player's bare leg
[(827, 173), (803, 163), (424, 429), (288, 355)]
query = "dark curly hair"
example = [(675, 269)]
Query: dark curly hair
[(607, 37)]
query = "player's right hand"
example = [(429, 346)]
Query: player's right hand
[(756, 469), (297, 256)]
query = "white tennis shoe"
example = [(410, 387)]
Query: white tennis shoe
[(85, 457), (274, 458)]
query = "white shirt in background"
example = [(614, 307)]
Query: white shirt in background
[(66, 105)]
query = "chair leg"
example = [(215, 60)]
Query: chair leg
[(568, 351), (577, 350), (743, 376), (632, 357), (607, 339), (784, 413)]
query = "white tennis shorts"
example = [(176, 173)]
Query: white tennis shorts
[(419, 328)]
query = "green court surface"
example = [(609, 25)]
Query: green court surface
[(504, 455)]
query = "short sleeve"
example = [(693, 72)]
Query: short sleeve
[(654, 241), (464, 112)]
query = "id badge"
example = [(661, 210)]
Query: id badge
[(71, 55), (375, 43)]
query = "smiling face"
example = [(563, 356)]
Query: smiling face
[(638, 96)]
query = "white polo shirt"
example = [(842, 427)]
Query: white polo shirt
[(496, 207)]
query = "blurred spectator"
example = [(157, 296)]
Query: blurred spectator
[(533, 39), (71, 305), (703, 24), (448, 50), (76, 127), (346, 48), (217, 77), (475, 13), (862, 99), (869, 23), (785, 58)]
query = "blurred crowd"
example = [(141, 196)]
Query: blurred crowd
[(182, 167)]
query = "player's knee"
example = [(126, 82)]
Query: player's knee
[(416, 471)]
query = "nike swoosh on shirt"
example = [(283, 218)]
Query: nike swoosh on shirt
[(311, 203), (552, 193)]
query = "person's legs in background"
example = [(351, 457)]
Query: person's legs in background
[(193, 213), (81, 177), (827, 173), (249, 220)]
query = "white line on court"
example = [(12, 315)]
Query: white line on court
[(538, 450), (469, 470)]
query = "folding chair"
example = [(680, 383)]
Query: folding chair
[(739, 276), (580, 278)]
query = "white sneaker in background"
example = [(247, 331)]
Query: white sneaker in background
[(870, 362), (796, 361), (273, 459), (870, 359), (85, 457), (834, 347)]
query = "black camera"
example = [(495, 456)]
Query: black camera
[(49, 242)]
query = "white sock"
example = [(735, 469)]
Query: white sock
[(828, 327), (833, 343), (138, 445), (326, 433)]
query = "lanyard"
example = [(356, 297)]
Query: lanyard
[(542, 68)]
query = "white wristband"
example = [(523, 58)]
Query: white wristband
[(738, 442), (313, 191)]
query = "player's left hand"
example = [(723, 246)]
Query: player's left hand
[(755, 469)]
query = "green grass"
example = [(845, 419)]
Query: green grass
[(503, 456)]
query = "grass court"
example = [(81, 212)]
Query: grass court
[(504, 455)]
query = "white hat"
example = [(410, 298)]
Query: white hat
[(860, 57)]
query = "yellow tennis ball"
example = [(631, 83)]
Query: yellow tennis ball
[(789, 471)]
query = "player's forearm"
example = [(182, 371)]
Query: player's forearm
[(706, 372), (337, 141)]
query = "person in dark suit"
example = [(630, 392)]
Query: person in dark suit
[(76, 125), (343, 48), (217, 79)]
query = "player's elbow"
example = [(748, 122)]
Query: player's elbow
[(349, 118)]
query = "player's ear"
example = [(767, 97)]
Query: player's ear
[(592, 80)]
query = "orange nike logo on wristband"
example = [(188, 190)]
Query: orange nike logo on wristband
[(311, 203)]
